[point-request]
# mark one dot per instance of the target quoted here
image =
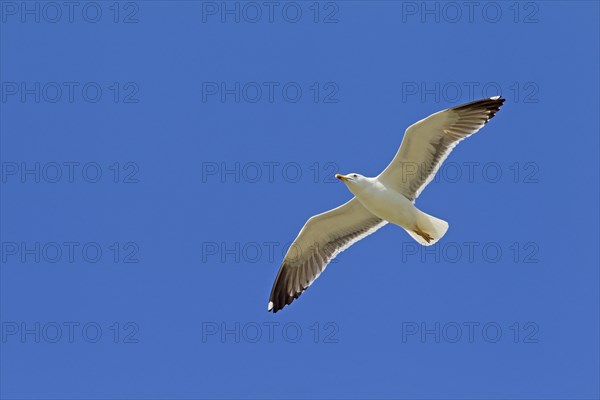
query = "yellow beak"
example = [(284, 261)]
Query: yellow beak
[(341, 177)]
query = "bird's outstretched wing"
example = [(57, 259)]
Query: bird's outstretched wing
[(427, 143), (322, 238)]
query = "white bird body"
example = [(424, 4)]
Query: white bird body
[(384, 202), (389, 197), (392, 206)]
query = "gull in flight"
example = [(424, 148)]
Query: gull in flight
[(388, 197)]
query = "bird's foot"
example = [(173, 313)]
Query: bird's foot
[(426, 236)]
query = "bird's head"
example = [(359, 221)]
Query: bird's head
[(353, 180)]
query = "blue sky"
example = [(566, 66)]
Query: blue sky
[(158, 158)]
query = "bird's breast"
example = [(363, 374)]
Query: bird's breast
[(388, 204)]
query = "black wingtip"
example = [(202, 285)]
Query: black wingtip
[(495, 101), (494, 106), (490, 104), (281, 300), (499, 100), (281, 295)]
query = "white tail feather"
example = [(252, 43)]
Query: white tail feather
[(428, 227)]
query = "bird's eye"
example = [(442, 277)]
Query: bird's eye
[(355, 175)]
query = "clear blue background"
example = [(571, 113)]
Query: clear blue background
[(369, 294)]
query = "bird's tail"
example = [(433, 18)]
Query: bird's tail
[(428, 230)]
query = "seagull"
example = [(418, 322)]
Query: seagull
[(389, 197)]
